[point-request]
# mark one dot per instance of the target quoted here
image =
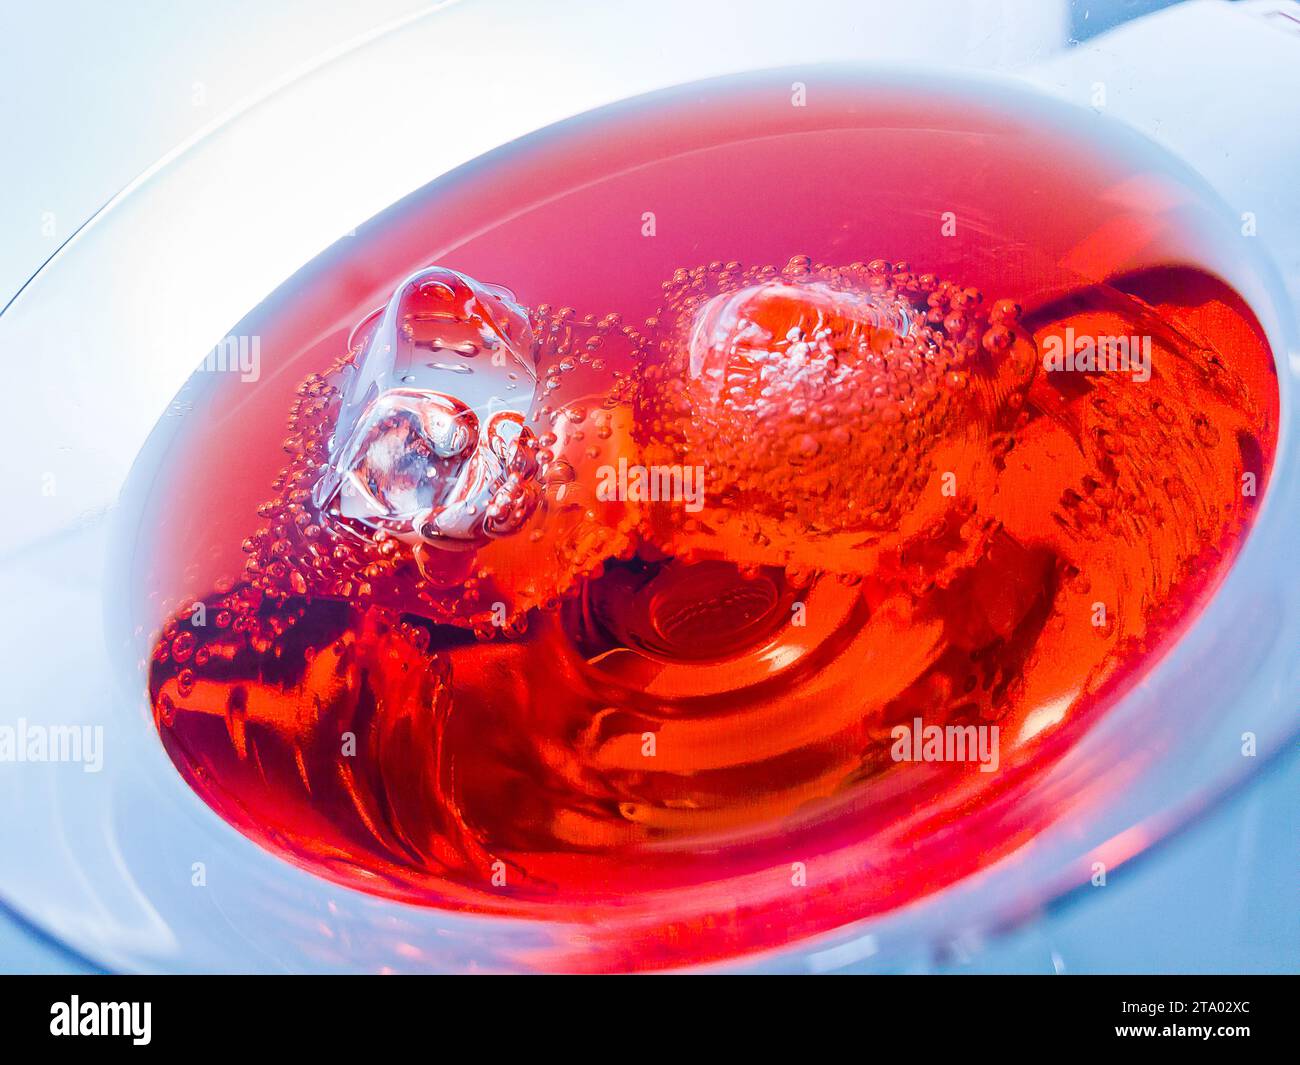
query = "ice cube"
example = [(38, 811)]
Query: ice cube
[(429, 444), (746, 346), (814, 402)]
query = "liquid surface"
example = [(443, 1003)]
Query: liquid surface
[(634, 552)]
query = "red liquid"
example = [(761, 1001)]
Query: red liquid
[(676, 722)]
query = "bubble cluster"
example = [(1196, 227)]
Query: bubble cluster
[(825, 402)]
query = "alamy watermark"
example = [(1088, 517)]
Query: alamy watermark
[(919, 742), (652, 484), (1084, 353), (236, 354), (77, 1018), (29, 742)]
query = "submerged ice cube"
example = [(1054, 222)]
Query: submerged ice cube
[(843, 414), (745, 347), (430, 444)]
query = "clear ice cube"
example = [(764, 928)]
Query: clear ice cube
[(430, 444)]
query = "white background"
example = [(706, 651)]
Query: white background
[(94, 93)]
